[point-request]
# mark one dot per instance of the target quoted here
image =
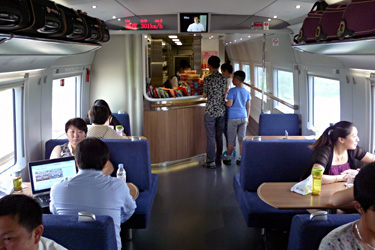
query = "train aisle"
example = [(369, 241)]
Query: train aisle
[(196, 208)]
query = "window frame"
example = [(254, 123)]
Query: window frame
[(311, 97), (257, 84), (277, 105), (77, 97)]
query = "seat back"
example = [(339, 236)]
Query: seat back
[(306, 234), (277, 160), (125, 122), (135, 155), (74, 235), (276, 124)]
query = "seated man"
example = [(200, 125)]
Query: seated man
[(21, 225), (357, 234), (99, 115), (92, 191)]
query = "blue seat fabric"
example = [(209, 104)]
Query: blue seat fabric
[(306, 234), (74, 235), (125, 122), (276, 124), (269, 161)]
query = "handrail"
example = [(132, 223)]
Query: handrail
[(295, 107)]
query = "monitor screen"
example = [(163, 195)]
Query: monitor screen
[(193, 22)]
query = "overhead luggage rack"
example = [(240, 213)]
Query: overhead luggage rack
[(346, 47), (22, 45)]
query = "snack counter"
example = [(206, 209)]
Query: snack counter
[(175, 128)]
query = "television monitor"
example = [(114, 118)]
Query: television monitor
[(193, 22)]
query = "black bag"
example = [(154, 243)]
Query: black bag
[(15, 14), (105, 31), (76, 28), (48, 20), (94, 28)]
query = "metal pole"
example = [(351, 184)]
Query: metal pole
[(264, 72)]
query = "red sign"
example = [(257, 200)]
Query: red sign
[(144, 24)]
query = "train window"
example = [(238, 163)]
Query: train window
[(246, 69), (283, 89), (7, 147), (324, 102), (258, 78), (236, 67), (64, 103)]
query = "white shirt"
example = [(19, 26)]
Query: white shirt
[(94, 192), (102, 132), (47, 244), (230, 83), (195, 27)]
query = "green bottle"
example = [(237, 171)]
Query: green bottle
[(317, 173)]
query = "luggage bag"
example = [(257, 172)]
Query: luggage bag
[(15, 14), (329, 23), (310, 24), (105, 31), (358, 19), (94, 28), (76, 28), (48, 20)]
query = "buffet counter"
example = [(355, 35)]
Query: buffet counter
[(175, 129)]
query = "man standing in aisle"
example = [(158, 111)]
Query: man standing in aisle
[(214, 90)]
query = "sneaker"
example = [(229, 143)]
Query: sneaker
[(210, 165), (218, 163), (225, 154), (233, 154), (227, 160), (238, 162)]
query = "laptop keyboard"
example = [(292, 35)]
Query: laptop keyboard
[(43, 200)]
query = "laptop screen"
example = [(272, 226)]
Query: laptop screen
[(43, 174)]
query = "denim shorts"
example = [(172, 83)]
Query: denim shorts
[(236, 126)]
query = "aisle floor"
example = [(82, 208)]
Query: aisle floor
[(196, 208)]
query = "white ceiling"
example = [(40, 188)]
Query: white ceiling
[(285, 10)]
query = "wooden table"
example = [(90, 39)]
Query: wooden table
[(134, 191), (294, 137), (278, 195)]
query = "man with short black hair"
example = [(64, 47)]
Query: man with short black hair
[(21, 225), (358, 234), (92, 191), (214, 87)]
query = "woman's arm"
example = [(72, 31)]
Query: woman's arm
[(56, 152), (327, 179), (368, 158), (341, 198), (108, 168)]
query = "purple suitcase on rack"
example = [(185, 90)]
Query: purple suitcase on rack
[(311, 22), (358, 20), (329, 23)]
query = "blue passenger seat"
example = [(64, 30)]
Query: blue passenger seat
[(74, 235), (277, 160), (135, 155), (276, 124), (306, 234), (125, 122)]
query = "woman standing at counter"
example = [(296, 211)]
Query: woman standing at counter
[(184, 65)]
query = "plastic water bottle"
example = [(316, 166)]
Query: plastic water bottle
[(119, 129), (121, 173)]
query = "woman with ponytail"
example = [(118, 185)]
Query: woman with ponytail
[(336, 151)]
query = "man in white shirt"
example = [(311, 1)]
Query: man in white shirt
[(21, 225), (92, 191), (196, 26)]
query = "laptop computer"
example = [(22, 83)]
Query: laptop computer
[(45, 173)]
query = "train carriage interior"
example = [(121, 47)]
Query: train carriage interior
[(302, 77)]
